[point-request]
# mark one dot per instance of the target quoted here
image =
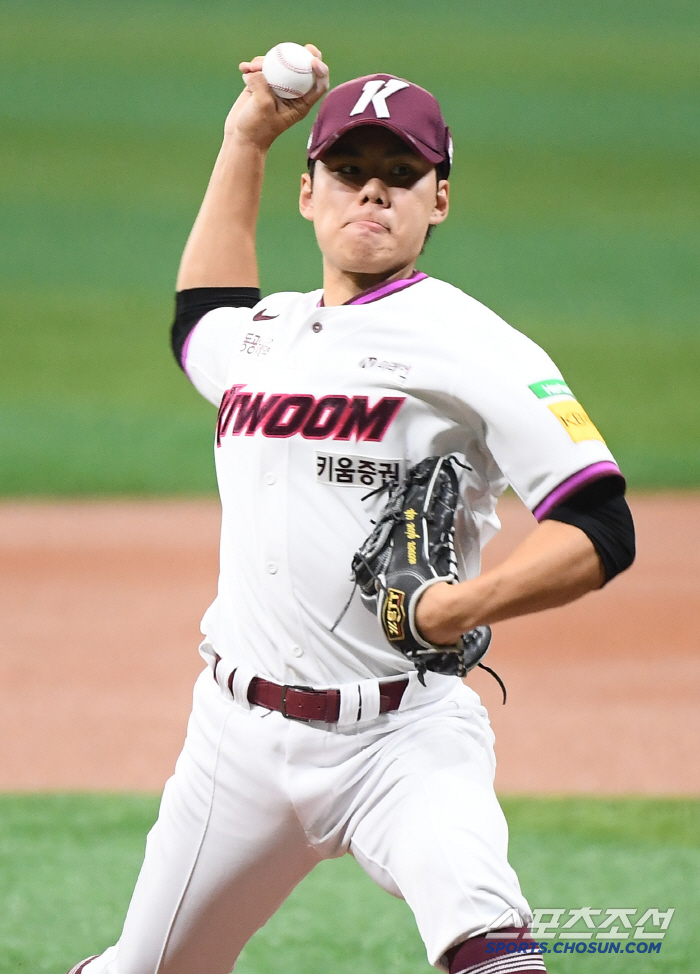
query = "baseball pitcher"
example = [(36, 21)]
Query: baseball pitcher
[(365, 432)]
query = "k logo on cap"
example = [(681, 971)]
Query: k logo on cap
[(406, 109), (376, 92)]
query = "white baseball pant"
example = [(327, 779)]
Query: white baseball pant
[(257, 800)]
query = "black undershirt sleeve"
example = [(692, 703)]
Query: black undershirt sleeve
[(193, 303), (602, 513)]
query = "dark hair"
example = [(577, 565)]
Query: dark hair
[(443, 170)]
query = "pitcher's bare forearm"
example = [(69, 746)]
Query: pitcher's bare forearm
[(220, 251), (554, 565)]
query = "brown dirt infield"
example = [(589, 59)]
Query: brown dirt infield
[(100, 609)]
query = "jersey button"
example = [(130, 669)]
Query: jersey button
[(269, 478), (317, 327), (298, 651), (271, 567)]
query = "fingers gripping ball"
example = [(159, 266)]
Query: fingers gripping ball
[(287, 69), (411, 548)]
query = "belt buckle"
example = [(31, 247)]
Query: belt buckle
[(283, 703)]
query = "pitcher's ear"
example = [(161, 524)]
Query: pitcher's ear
[(306, 204)]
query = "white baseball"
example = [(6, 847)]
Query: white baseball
[(287, 70)]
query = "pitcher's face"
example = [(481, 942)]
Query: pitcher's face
[(371, 200)]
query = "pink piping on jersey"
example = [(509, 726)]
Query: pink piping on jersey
[(586, 476), (382, 290), (185, 347)]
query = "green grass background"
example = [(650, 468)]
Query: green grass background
[(575, 211), (68, 864), (575, 216)]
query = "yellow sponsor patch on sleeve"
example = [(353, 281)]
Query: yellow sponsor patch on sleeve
[(574, 418)]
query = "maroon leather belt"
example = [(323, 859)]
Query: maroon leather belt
[(305, 703)]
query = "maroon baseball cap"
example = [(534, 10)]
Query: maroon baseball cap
[(409, 111)]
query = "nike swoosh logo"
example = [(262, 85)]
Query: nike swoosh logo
[(261, 316)]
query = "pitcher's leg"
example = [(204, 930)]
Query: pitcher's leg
[(225, 852), (437, 835)]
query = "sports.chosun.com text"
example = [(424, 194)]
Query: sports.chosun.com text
[(582, 930), (573, 947)]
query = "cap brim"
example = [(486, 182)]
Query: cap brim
[(420, 147)]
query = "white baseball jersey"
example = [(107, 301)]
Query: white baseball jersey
[(318, 407)]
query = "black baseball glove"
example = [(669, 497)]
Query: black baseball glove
[(411, 548)]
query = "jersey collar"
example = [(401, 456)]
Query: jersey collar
[(382, 290)]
